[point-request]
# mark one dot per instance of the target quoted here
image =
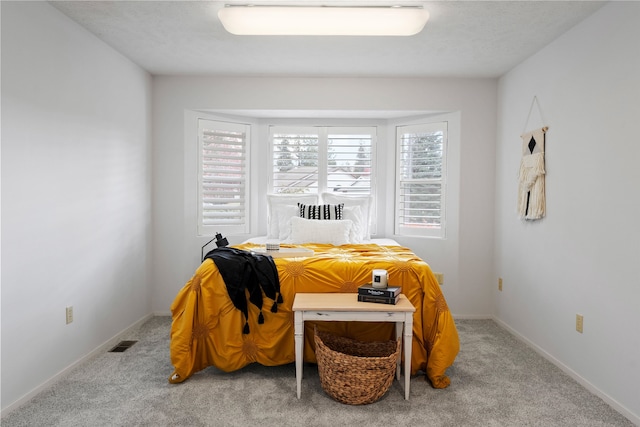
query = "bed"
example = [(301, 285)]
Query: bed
[(209, 330)]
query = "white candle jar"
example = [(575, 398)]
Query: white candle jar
[(379, 278)]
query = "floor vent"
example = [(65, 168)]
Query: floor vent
[(122, 346)]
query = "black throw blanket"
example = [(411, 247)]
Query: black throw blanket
[(242, 271)]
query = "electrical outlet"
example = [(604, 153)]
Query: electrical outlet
[(439, 278), (69, 314), (500, 283), (579, 322)]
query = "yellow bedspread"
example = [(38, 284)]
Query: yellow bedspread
[(207, 328)]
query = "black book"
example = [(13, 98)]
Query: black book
[(378, 300), (388, 292)]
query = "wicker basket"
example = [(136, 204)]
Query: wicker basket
[(355, 372)]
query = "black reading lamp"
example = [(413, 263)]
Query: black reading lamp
[(220, 242)]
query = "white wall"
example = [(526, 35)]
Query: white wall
[(76, 190), (583, 257), (465, 257)]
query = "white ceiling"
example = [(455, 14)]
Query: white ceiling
[(461, 39)]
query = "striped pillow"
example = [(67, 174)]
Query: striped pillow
[(321, 211)]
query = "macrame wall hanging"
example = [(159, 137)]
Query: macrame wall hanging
[(531, 182)]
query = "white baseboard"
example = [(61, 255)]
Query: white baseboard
[(66, 371), (634, 418)]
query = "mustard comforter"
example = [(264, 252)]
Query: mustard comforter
[(207, 328)]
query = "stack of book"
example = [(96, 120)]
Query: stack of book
[(388, 295)]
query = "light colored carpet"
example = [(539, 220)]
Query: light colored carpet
[(495, 381)]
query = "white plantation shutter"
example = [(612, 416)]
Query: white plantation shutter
[(295, 159), (349, 162), (223, 177), (317, 159), (421, 179)]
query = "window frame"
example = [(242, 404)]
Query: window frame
[(224, 228), (324, 132), (401, 228)]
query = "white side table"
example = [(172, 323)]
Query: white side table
[(346, 307)]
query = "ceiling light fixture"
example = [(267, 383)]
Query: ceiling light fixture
[(323, 20)]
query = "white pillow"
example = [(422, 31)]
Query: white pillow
[(366, 208), (334, 232), (284, 215), (354, 213), (275, 200)]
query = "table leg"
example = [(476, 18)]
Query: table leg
[(399, 326), (299, 343), (408, 340)]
